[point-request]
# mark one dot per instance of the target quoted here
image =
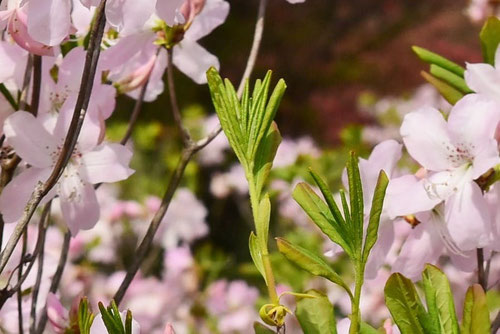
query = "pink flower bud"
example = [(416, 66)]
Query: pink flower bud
[(191, 8), (57, 314), (138, 77), (169, 329), (18, 29)]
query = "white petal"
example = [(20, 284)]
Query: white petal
[(484, 79), (213, 14), (407, 195), (194, 61), (30, 140), (16, 194), (129, 16), (107, 163), (49, 20), (79, 204), (12, 57), (468, 218), (427, 139)]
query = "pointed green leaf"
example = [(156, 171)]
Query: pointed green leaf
[(356, 199), (439, 299), (264, 158), (319, 213), (490, 37), (367, 329), (450, 94), (450, 78), (338, 221), (405, 306), (476, 317), (310, 262), (375, 212), (262, 220), (256, 254), (227, 116), (316, 315), (257, 115), (261, 329), (433, 58)]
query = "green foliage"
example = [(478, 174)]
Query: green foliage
[(451, 78), (475, 318), (112, 319), (405, 306), (449, 93), (316, 315), (85, 316), (490, 38), (438, 60), (310, 263), (261, 329), (439, 299), (412, 318)]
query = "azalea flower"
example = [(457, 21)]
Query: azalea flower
[(91, 163), (455, 153)]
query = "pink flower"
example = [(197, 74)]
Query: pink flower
[(57, 314), (455, 152), (91, 163)]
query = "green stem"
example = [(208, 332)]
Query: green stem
[(356, 313), (268, 270)]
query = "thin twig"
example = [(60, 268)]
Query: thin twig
[(42, 229), (56, 279), (37, 84), (481, 277), (22, 103), (189, 150), (186, 137), (19, 289), (82, 103)]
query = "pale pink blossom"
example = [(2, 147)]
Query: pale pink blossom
[(90, 163)]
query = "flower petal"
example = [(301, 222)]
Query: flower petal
[(49, 20), (167, 10), (79, 205), (213, 14), (129, 16), (427, 139), (484, 79), (106, 163), (29, 138), (194, 61)]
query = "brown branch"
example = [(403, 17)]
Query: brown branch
[(56, 279), (190, 148), (482, 279), (19, 289), (82, 103), (37, 84)]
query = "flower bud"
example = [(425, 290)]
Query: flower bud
[(137, 78)]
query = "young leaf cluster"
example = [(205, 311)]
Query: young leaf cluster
[(344, 225), (113, 321), (440, 317)]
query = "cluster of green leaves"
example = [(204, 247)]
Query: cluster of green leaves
[(447, 76), (254, 137), (113, 321), (412, 317), (344, 227)]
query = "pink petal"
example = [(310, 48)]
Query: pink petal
[(380, 250), (18, 29), (79, 204), (129, 16), (57, 314), (484, 79), (213, 14), (106, 163), (468, 218), (193, 60), (422, 246), (16, 194), (49, 20), (155, 85), (406, 195), (30, 140), (13, 59), (427, 139), (167, 10)]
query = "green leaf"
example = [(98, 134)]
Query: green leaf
[(367, 329), (262, 220), (439, 299), (85, 316), (476, 317), (405, 306), (338, 220), (433, 58), (375, 212), (356, 200), (264, 157), (261, 329), (8, 96), (227, 116), (256, 254), (310, 262), (256, 115), (450, 78), (316, 315), (319, 213), (109, 320), (450, 94), (490, 37)]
